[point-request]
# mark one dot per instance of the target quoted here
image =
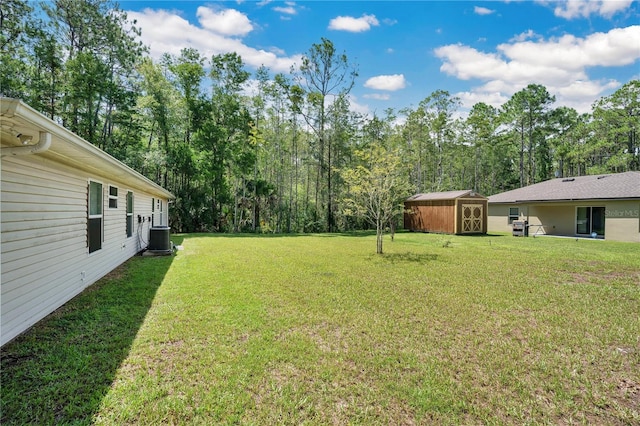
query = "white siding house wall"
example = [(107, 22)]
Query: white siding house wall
[(45, 259)]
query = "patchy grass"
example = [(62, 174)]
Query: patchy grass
[(320, 330)]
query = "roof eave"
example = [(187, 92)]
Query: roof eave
[(565, 200), (94, 158)]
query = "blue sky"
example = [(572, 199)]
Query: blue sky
[(479, 51)]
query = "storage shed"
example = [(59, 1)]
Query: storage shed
[(71, 213), (451, 212)]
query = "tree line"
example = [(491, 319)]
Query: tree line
[(281, 157)]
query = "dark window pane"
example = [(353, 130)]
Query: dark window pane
[(95, 234)]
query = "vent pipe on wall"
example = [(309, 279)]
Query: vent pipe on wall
[(43, 144)]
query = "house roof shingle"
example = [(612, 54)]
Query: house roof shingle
[(607, 186)]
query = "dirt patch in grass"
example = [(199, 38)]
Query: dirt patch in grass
[(278, 389), (630, 389), (409, 257), (9, 359), (591, 277), (594, 272), (328, 338), (627, 380), (117, 274)]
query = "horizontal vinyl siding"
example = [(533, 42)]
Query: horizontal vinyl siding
[(29, 289), (37, 225), (45, 259), (141, 207), (22, 263)]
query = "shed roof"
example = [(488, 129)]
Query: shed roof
[(606, 186), (447, 195), (68, 148)]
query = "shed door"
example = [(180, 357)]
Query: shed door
[(472, 218)]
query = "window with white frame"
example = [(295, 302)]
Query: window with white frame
[(94, 216), (113, 197), (514, 214), (129, 214)]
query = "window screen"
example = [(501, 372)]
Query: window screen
[(514, 214), (94, 217), (129, 213), (113, 197)]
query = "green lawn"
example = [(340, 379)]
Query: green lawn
[(321, 330)]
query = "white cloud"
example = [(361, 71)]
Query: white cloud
[(288, 9), (581, 94), (478, 10), (354, 25), (560, 64), (584, 8), (226, 22), (167, 32), (527, 35), (469, 99), (359, 108), (377, 96), (620, 46), (386, 82), (251, 88), (277, 51)]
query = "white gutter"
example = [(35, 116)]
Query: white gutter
[(72, 148), (43, 144)]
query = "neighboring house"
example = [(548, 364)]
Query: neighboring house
[(605, 206), (451, 212), (70, 213)]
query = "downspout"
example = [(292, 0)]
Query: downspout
[(43, 144)]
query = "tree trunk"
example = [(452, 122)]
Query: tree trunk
[(330, 191), (522, 155)]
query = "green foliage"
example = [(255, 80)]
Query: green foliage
[(196, 126), (376, 188), (527, 115), (15, 35), (324, 72), (616, 126)]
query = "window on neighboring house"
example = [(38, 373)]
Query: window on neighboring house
[(94, 217), (113, 197), (129, 214), (514, 214)]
